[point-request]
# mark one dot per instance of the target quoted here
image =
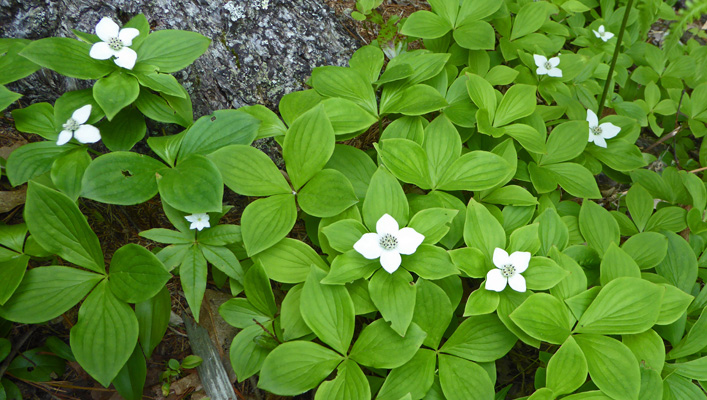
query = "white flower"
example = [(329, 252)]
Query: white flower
[(603, 34), (599, 133), (388, 243), (115, 42), (508, 270), (198, 221), (75, 127), (547, 67)]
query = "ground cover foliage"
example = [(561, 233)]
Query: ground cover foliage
[(474, 225)]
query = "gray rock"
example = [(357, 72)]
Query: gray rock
[(260, 50)]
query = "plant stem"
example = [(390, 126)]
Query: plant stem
[(610, 76)]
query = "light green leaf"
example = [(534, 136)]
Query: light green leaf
[(543, 317), (33, 159), (430, 262), (384, 196), (617, 263), (406, 160), (598, 227), (394, 296), (482, 230), (115, 92), (433, 311), (309, 143), (193, 273), (293, 325), (68, 57), (518, 102), (218, 130), (153, 319), (136, 274), (464, 380), (289, 261), (648, 347), (612, 366), (246, 356), (379, 346), (414, 377), (481, 338), (172, 50), (425, 24), (193, 186), (530, 18), (566, 142), (258, 290), (327, 194), (121, 178), (240, 313), (248, 171), (475, 35), (679, 266), (567, 369), (68, 169), (267, 221), (476, 170), (350, 384), (331, 81)]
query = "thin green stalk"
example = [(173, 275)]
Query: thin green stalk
[(610, 76)]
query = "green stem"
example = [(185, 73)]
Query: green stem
[(610, 76)]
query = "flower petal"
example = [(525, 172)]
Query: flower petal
[(495, 281), (387, 224), (201, 225), (520, 260), (408, 240), (599, 141), (101, 51), (87, 134), (555, 72), (591, 137), (500, 257), (390, 261), (597, 34), (125, 58), (127, 35), (609, 130), (539, 60), (592, 118), (64, 137), (554, 61), (541, 71), (106, 29), (517, 283), (602, 29), (81, 115), (368, 246), (607, 36), (192, 218)]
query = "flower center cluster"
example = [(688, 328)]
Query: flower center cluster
[(548, 65), (508, 270), (595, 130), (71, 125), (115, 43), (388, 242)]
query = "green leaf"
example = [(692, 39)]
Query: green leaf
[(430, 262), (289, 261), (295, 367), (481, 302), (482, 230), (356, 165), (433, 223), (674, 304), (33, 365), (309, 143), (246, 356), (619, 155), (248, 171), (115, 92), (328, 311), (331, 81), (518, 102), (617, 263), (347, 118), (291, 321), (105, 334), (124, 131), (15, 67), (218, 130), (68, 169), (368, 60), (220, 235), (425, 24), (612, 366), (552, 231), (648, 249), (415, 100), (475, 10), (565, 142), (193, 273), (327, 194), (59, 227), (475, 35), (350, 384), (464, 380), (693, 342), (384, 196), (598, 227), (258, 290), (530, 18), (153, 318), (648, 347), (172, 50), (267, 221), (193, 186), (623, 306), (482, 94), (406, 160), (543, 273), (679, 266), (7, 97), (136, 274), (677, 387), (543, 317), (36, 118), (394, 296), (640, 205), (567, 369), (343, 234), (511, 195), (349, 267), (12, 270), (168, 236), (224, 260), (414, 377), (481, 338), (240, 313), (379, 346), (33, 159), (121, 178), (68, 57), (130, 381), (433, 311), (476, 170), (47, 292), (669, 219)]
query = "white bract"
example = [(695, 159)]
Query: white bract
[(508, 270), (603, 34), (599, 133), (547, 67), (76, 127), (388, 243), (198, 221), (115, 42)]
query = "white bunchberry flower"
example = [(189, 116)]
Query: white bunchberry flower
[(603, 34), (388, 243), (198, 221), (508, 270), (76, 127), (599, 133), (547, 67), (115, 42)]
